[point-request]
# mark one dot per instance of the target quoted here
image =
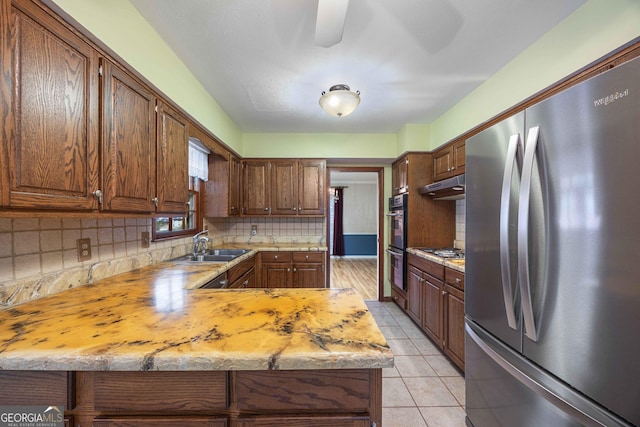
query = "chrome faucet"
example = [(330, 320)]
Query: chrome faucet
[(200, 242)]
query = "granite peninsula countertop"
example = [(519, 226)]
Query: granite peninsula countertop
[(150, 319), (455, 264)]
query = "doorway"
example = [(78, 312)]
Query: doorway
[(359, 263)]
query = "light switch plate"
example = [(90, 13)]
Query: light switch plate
[(84, 249)]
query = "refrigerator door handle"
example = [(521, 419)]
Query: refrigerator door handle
[(523, 233), (505, 266)]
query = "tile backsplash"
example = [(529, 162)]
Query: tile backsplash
[(460, 220), (39, 256)]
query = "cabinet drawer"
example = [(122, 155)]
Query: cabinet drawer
[(308, 256), (307, 421), (399, 298), (454, 278), (431, 268), (275, 256), (236, 272), (336, 390), (159, 422), (160, 391), (35, 388)]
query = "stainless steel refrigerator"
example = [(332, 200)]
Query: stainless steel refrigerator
[(552, 296)]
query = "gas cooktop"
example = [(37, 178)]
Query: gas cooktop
[(444, 252)]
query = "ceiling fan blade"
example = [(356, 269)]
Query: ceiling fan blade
[(330, 21)]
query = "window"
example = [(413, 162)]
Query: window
[(165, 227)]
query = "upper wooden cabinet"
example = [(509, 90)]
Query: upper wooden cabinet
[(172, 174), (49, 112), (256, 195), (399, 179), (283, 187), (449, 161), (311, 184), (128, 142)]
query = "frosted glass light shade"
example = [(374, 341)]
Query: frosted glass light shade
[(340, 101)]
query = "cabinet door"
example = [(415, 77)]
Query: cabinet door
[(459, 159), (442, 163), (414, 293), (172, 172), (256, 199), (454, 325), (234, 185), (432, 315), (284, 187), (311, 184), (48, 112), (128, 142), (308, 275), (403, 172), (276, 275)]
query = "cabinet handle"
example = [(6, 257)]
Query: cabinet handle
[(299, 209), (265, 209), (444, 293), (293, 208), (288, 269), (458, 280), (155, 201), (294, 269), (246, 282), (306, 257), (98, 195), (275, 257)]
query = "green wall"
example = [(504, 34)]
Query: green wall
[(592, 31)]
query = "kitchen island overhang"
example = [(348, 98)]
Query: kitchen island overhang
[(319, 351)]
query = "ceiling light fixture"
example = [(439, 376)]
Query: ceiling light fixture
[(340, 101)]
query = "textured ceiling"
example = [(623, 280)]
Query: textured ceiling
[(411, 59)]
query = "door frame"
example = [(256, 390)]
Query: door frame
[(380, 171)]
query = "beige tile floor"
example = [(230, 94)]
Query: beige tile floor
[(423, 389)]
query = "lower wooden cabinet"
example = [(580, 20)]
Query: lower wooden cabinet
[(292, 270), (306, 421), (278, 398), (167, 421), (435, 302), (243, 275)]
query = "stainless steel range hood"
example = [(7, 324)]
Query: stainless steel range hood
[(448, 189)]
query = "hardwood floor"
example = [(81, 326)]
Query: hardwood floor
[(357, 273)]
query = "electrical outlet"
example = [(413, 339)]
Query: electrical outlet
[(145, 239), (254, 230), (84, 249)]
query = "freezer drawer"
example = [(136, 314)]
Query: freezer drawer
[(504, 389)]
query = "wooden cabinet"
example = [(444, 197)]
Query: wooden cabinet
[(172, 172), (165, 421), (414, 294), (242, 275), (48, 113), (128, 142), (292, 270), (435, 301), (449, 160), (308, 270), (399, 178), (234, 185), (36, 388), (283, 187), (453, 311), (256, 191), (311, 187)]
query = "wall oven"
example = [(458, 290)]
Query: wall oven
[(398, 239)]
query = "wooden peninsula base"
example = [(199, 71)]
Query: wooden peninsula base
[(310, 398)]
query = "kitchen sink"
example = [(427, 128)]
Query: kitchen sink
[(216, 255)]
